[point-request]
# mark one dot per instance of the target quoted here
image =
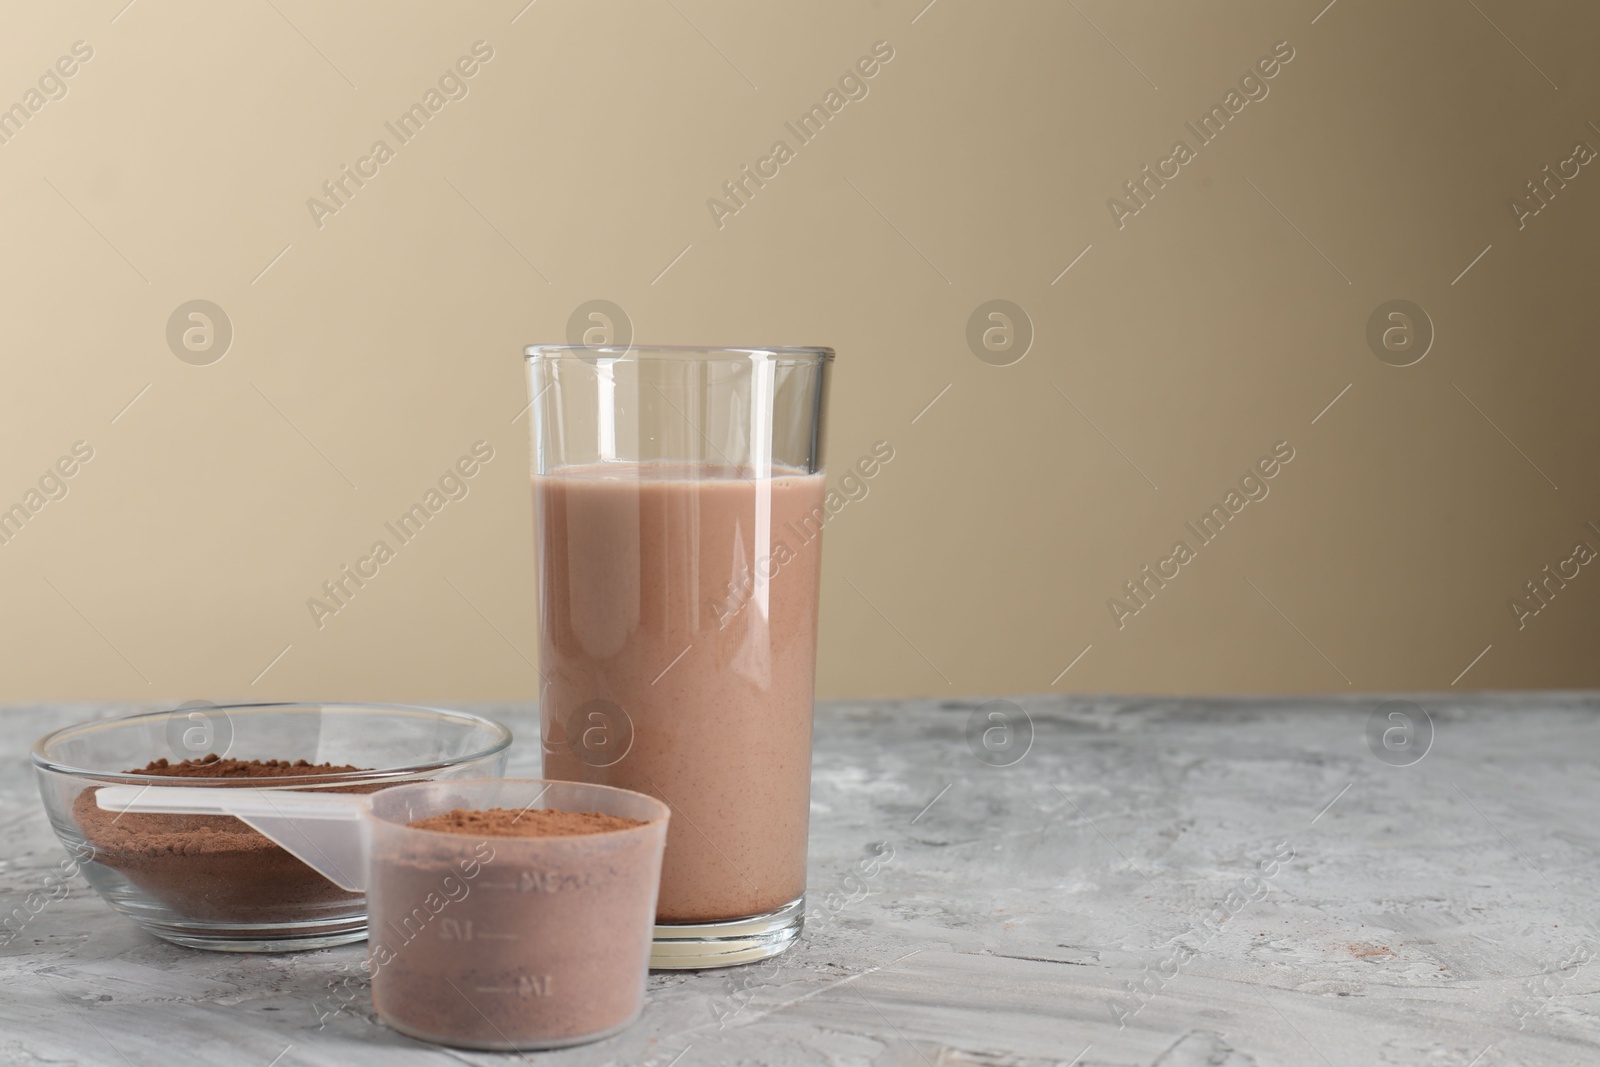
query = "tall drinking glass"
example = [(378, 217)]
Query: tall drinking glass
[(678, 511)]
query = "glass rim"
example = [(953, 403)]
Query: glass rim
[(682, 353), (501, 733)]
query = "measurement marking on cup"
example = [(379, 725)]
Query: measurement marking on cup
[(526, 986), (539, 882), (463, 930)]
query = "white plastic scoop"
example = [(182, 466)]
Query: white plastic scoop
[(328, 832)]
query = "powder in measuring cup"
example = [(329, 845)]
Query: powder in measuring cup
[(533, 822), (214, 868), (511, 928)]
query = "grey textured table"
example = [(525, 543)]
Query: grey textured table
[(1169, 882)]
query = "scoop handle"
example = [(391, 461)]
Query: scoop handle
[(325, 831)]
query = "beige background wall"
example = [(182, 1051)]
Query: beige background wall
[(1224, 317)]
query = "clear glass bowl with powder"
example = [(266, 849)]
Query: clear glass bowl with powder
[(210, 881)]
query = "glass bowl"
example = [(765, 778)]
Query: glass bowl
[(209, 881)]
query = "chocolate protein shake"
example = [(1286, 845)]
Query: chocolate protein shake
[(679, 631)]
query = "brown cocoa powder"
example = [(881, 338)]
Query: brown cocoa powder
[(535, 822), (520, 929), (214, 868), (214, 766)]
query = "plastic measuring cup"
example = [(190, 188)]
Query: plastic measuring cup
[(485, 942)]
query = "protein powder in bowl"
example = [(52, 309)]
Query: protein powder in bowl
[(210, 881)]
